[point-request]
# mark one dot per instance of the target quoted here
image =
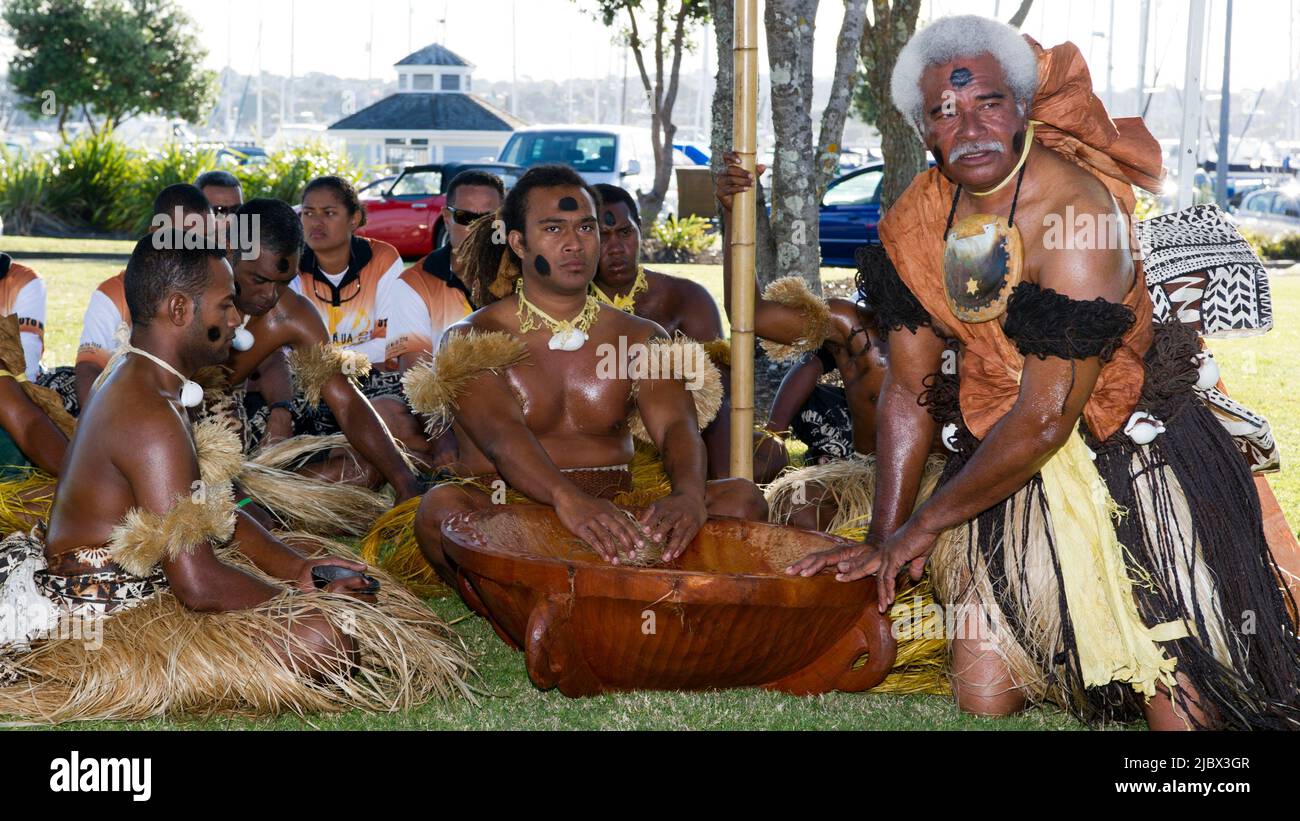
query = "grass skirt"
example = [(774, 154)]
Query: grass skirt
[(159, 658), (1191, 525)]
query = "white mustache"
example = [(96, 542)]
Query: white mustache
[(975, 148)]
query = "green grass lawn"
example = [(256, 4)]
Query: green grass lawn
[(68, 285), (18, 245), (1257, 370), (1260, 374)]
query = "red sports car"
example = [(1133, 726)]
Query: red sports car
[(406, 213)]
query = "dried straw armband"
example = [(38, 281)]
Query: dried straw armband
[(688, 361), (792, 292), (314, 365), (434, 386), (143, 538)]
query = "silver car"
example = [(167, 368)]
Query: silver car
[(1271, 210)]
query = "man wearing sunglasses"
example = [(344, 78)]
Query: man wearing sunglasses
[(223, 192), (428, 298), (431, 295)]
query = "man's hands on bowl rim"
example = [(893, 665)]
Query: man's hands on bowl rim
[(909, 547), (673, 521), (599, 523)]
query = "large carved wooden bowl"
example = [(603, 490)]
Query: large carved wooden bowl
[(721, 615)]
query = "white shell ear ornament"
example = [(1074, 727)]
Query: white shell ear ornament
[(1207, 371), (949, 436), (243, 337), (1143, 428)]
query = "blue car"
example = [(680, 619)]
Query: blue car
[(850, 211)]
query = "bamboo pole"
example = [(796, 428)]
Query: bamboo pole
[(741, 235)]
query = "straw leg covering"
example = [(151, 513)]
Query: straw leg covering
[(1003, 568), (25, 500), (303, 503), (160, 658), (846, 485)]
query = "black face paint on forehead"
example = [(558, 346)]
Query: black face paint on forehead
[(1018, 142), (541, 264), (568, 204), (214, 333), (610, 219), (960, 77)]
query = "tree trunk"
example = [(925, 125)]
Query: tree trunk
[(1018, 19), (661, 93), (837, 106), (790, 27), (723, 14), (882, 40)]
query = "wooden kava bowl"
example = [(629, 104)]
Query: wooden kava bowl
[(724, 614)]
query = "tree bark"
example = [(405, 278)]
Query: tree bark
[(720, 138), (661, 100), (1018, 19), (836, 112), (790, 28), (723, 14), (882, 40), (801, 168)]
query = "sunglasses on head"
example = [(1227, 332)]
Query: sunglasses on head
[(463, 217)]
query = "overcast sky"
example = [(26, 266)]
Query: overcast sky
[(555, 39)]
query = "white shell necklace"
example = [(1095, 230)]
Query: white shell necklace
[(191, 392), (566, 334)]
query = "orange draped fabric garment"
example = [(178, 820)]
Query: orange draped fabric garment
[(1119, 153)]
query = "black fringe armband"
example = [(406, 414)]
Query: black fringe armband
[(1044, 323), (894, 304)]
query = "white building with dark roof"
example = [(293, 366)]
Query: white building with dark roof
[(432, 118)]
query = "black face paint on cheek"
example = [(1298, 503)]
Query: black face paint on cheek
[(609, 218), (568, 204), (214, 333), (543, 267), (938, 155), (1018, 142), (960, 77)]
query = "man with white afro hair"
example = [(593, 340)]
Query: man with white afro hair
[(1067, 406), (967, 35)]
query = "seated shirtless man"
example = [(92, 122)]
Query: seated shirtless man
[(548, 416), (676, 304), (134, 451), (278, 317)]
